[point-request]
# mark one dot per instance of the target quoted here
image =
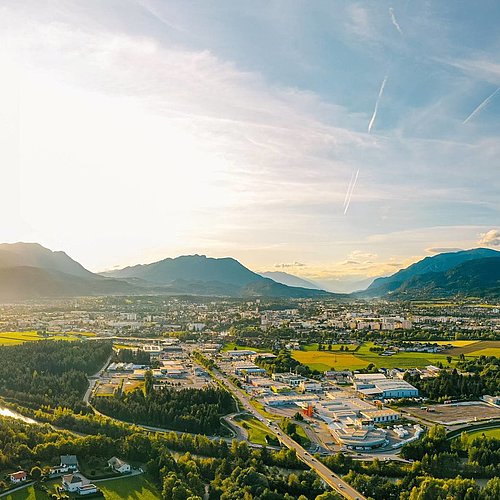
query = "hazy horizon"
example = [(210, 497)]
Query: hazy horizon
[(336, 141)]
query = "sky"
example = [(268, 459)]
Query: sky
[(335, 140)]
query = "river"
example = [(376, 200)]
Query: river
[(7, 412)]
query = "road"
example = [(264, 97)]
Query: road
[(93, 380), (334, 481)]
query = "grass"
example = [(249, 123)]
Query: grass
[(257, 431), (325, 360), (491, 433), (129, 488), (304, 440), (123, 488), (231, 346)]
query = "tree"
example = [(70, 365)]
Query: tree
[(36, 473), (448, 358), (148, 382), (492, 489)]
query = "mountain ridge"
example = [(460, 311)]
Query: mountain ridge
[(436, 263)]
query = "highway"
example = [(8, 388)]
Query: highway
[(334, 481)]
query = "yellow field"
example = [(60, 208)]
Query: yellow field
[(491, 351), (454, 343), (15, 338)]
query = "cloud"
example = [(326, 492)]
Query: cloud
[(434, 250), (360, 256), (394, 20), (490, 239), (288, 265)]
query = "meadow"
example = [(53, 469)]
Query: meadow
[(257, 431), (491, 433)]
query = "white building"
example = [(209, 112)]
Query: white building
[(18, 477), (73, 482), (119, 465), (376, 385), (381, 416), (288, 378)]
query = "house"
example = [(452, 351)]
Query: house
[(69, 462), (72, 482), (18, 477), (88, 489), (119, 465)]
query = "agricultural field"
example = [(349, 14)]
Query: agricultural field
[(15, 338), (123, 488), (362, 357), (478, 348)]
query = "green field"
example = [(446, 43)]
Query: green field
[(231, 346), (340, 360), (126, 488), (16, 338), (491, 433), (130, 488), (257, 431)]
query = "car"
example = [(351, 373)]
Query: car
[(341, 486)]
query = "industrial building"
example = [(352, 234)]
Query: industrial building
[(377, 386)]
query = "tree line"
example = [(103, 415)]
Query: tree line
[(50, 372), (479, 376)]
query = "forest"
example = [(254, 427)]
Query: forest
[(478, 376), (187, 410), (284, 362), (50, 372), (226, 471)]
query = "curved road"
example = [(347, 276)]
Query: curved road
[(334, 481)]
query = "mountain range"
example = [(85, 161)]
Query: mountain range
[(444, 274), (30, 271), (290, 279)]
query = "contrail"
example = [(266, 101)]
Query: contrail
[(481, 106), (350, 192), (348, 189), (395, 21), (375, 111)]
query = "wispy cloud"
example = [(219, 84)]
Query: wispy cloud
[(434, 250), (395, 21), (286, 265)]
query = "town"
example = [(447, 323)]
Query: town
[(321, 378)]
